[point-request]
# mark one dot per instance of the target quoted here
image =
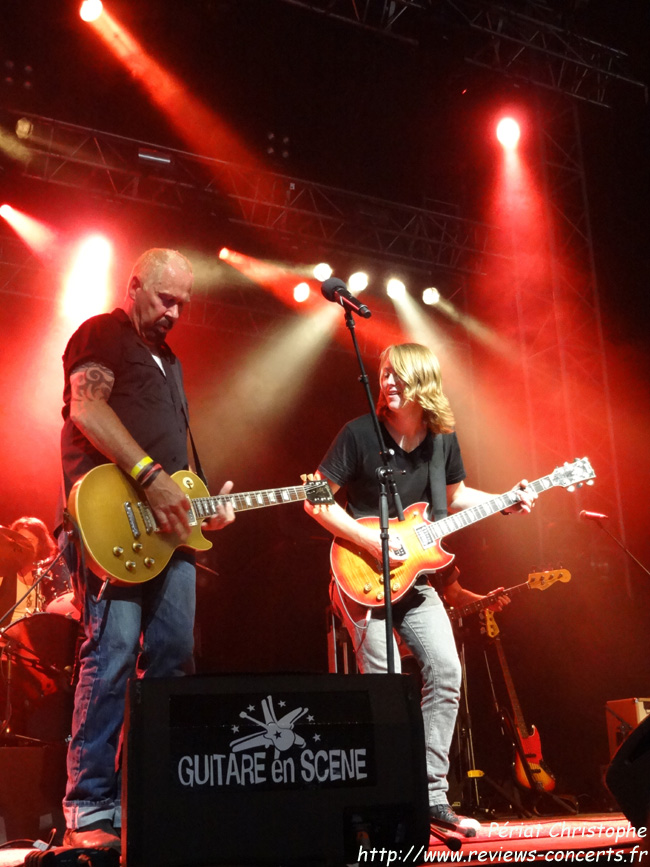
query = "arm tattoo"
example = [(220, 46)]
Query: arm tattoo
[(91, 381)]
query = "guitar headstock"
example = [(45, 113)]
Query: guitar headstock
[(491, 628), (318, 492), (542, 580), (573, 475)]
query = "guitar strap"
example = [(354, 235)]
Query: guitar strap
[(173, 371), (437, 480)]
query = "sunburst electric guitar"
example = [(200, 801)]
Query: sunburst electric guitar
[(359, 575), (118, 529), (531, 771)]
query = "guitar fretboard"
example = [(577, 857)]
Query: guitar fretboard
[(429, 534), (472, 607), (205, 507)]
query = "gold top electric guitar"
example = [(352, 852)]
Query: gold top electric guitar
[(118, 529), (359, 575)]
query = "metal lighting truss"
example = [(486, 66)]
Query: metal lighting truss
[(322, 217), (528, 43), (532, 46)]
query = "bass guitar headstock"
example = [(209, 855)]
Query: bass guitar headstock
[(542, 580)]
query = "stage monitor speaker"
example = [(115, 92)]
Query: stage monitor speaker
[(622, 717), (628, 776), (283, 769)]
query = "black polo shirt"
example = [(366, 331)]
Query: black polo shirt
[(147, 401)]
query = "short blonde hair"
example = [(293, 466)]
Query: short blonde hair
[(419, 370), (151, 263)]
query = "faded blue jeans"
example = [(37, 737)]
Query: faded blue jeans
[(145, 628), (422, 623)]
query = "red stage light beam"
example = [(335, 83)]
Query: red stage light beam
[(199, 127)]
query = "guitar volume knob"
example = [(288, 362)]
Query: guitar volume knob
[(394, 586), (130, 566), (137, 547), (117, 551), (380, 596), (149, 561), (367, 588)]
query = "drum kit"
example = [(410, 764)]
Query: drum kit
[(38, 650)]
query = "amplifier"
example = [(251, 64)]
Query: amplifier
[(278, 769), (623, 716)]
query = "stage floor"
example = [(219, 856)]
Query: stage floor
[(596, 838)]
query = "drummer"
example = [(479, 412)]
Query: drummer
[(32, 548)]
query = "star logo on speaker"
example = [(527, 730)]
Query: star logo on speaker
[(273, 732)]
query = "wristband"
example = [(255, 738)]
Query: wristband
[(137, 469), (150, 475)]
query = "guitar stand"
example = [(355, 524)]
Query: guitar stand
[(535, 787), (475, 804)]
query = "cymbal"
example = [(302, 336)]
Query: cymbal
[(15, 551)]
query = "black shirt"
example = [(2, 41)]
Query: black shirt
[(353, 458), (148, 402)]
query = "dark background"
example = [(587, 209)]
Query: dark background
[(402, 122)]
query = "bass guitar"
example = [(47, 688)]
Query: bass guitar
[(536, 581), (531, 771), (359, 574), (117, 527)]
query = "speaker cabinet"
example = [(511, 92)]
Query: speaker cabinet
[(623, 716), (628, 776), (272, 769)]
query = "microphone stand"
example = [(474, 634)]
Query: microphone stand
[(622, 545), (387, 489)]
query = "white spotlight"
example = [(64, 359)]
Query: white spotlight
[(431, 295), (322, 271), (358, 281), (395, 289), (301, 292)]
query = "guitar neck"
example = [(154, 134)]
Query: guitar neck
[(456, 614), (430, 533), (522, 728), (242, 502)]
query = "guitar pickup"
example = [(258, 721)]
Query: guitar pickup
[(131, 519), (147, 518)]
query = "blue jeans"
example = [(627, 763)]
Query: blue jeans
[(145, 629), (421, 622)]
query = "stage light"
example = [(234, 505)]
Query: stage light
[(358, 281), (508, 132), (86, 288), (224, 253), (395, 289), (24, 128), (301, 292), (6, 211), (431, 295), (322, 271), (90, 10)]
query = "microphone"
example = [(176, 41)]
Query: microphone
[(593, 516), (336, 290)]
